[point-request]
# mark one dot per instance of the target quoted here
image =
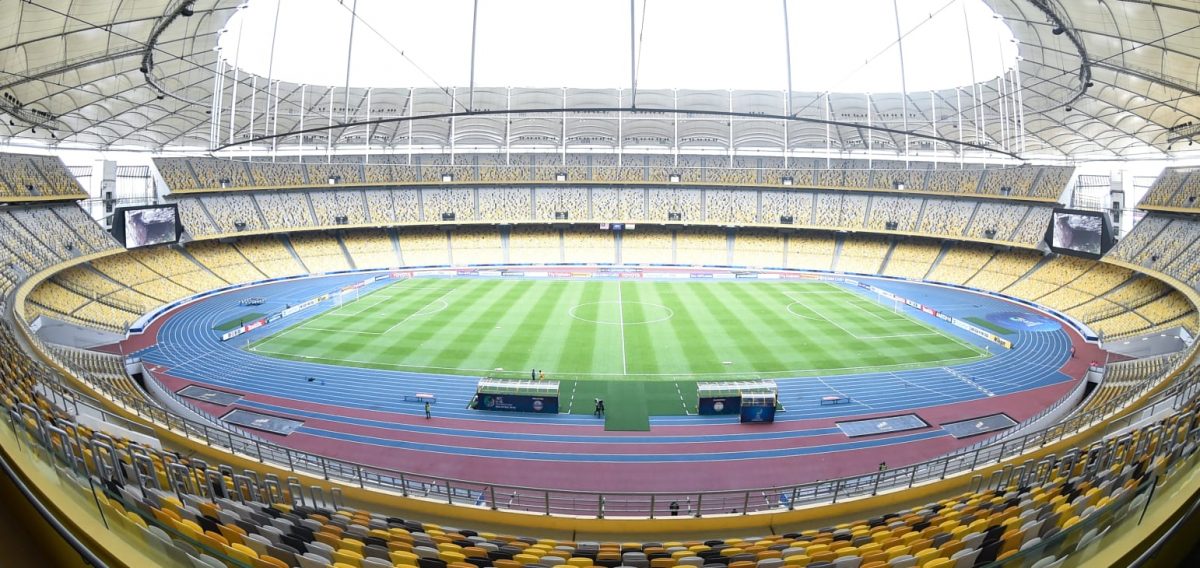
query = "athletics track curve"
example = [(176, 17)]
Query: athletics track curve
[(357, 416)]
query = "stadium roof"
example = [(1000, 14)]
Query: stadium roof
[(141, 75)]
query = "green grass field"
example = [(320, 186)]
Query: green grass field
[(663, 335)]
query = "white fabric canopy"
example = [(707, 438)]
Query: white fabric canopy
[(73, 69)]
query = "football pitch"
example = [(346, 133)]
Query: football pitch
[(659, 337)]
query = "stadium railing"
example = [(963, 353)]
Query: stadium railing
[(1169, 443), (650, 505)]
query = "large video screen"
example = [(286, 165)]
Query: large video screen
[(146, 226), (1085, 233)]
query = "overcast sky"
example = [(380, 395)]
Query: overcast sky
[(842, 45)]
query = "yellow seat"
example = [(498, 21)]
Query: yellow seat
[(797, 560), (350, 544), (269, 562), (813, 549), (926, 554), (579, 562), (349, 557), (451, 556), (246, 556), (135, 519), (938, 563), (406, 558)]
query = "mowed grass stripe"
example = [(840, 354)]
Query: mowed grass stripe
[(385, 317), (450, 341), (357, 336), (744, 350), (392, 344), (794, 342), (366, 346), (516, 342), (917, 324), (518, 324), (580, 342), (694, 352), (641, 351)]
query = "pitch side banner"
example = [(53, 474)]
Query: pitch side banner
[(948, 318), (244, 329), (302, 305)]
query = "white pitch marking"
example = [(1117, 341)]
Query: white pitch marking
[(418, 312), (621, 322)]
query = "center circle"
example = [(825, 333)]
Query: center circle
[(612, 312)]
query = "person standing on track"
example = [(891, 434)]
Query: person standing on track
[(541, 375), (533, 374), (428, 414)]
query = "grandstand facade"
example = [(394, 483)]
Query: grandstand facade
[(103, 340)]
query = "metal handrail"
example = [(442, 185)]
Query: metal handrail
[(635, 503), (81, 549)]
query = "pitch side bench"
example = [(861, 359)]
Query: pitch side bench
[(828, 400)]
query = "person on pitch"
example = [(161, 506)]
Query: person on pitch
[(428, 414)]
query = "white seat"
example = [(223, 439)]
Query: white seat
[(284, 525), (1031, 530), (310, 560), (273, 534), (905, 561), (1087, 538), (425, 552), (257, 542), (228, 517), (320, 549), (844, 562), (965, 558), (206, 561), (1047, 562), (972, 540), (792, 551)]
